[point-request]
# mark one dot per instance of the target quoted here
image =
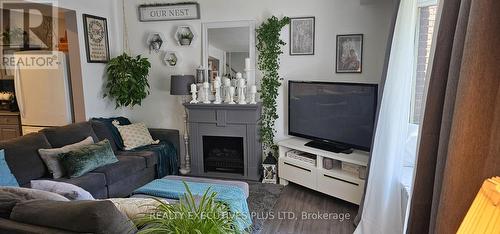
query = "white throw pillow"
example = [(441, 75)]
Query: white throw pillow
[(134, 135), (51, 156), (70, 191)]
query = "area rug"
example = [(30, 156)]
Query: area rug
[(261, 201)]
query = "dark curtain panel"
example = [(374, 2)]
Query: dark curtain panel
[(357, 219), (460, 137)]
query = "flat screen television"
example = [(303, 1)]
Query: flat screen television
[(338, 117)]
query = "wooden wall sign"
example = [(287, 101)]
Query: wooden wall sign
[(171, 11)]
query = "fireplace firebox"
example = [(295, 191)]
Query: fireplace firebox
[(223, 154)]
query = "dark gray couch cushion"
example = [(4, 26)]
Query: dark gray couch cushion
[(77, 216), (91, 182), (150, 156), (22, 157), (69, 134), (126, 166), (10, 196), (13, 227), (102, 132)]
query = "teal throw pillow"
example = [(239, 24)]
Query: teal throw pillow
[(87, 158), (6, 177)]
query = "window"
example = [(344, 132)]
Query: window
[(425, 29)]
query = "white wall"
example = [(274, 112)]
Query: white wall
[(162, 110), (332, 17), (93, 73)]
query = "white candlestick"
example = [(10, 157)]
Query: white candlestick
[(217, 92), (231, 95), (241, 92), (253, 91), (206, 86)]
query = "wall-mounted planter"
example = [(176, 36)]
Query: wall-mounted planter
[(171, 58), (185, 35), (155, 41)]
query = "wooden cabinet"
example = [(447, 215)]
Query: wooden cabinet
[(10, 126)]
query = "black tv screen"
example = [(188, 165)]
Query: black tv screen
[(341, 113)]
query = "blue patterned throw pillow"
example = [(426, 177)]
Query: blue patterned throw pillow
[(6, 176)]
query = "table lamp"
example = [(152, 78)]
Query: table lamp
[(180, 85)]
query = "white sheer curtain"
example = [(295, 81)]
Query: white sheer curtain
[(382, 211)]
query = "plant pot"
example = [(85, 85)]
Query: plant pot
[(185, 41)]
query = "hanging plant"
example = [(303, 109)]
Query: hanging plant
[(127, 80), (269, 46)]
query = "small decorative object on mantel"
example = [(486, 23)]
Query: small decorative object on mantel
[(200, 74), (349, 53), (253, 91), (96, 38), (155, 41), (217, 85), (269, 169), (241, 91), (231, 95), (185, 35), (169, 11), (206, 87), (194, 90), (302, 36)]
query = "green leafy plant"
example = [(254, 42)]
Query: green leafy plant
[(127, 80), (189, 216), (269, 46), (186, 35)]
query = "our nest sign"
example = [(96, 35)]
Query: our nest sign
[(170, 11)]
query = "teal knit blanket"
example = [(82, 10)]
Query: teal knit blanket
[(232, 196)]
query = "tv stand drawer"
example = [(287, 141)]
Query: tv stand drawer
[(297, 172), (340, 187)]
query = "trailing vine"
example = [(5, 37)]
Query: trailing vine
[(269, 46)]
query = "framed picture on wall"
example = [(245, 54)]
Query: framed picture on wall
[(96, 38), (302, 36), (349, 53)]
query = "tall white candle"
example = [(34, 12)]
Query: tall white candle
[(247, 63)]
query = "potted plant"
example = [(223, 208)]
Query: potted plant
[(185, 38), (172, 60), (127, 80), (269, 46), (190, 215)]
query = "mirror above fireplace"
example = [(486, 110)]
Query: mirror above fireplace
[(226, 45)]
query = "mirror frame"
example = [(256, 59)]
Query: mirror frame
[(231, 24)]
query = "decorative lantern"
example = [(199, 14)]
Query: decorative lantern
[(269, 169)]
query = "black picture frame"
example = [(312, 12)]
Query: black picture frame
[(87, 38), (292, 41), (357, 50)]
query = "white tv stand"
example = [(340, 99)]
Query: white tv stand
[(335, 182)]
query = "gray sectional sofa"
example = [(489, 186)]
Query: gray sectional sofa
[(133, 170)]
